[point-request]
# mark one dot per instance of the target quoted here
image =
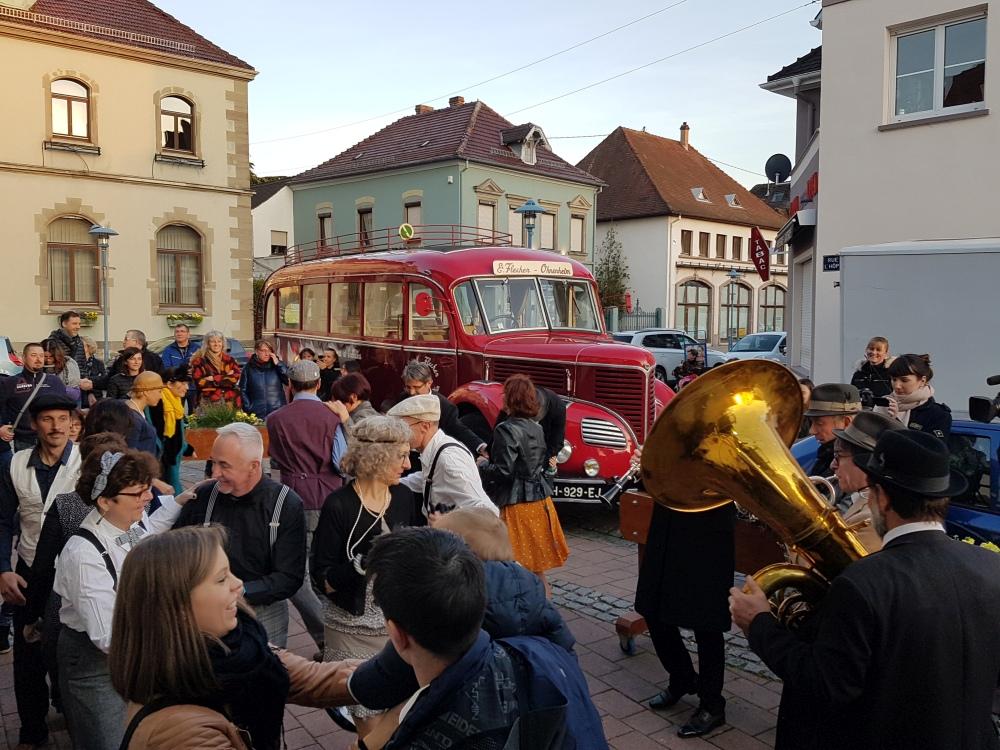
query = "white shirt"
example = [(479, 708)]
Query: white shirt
[(456, 480), (911, 528), (82, 578)]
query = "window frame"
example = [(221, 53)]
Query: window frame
[(938, 26), (176, 254), (683, 304), (704, 244), (365, 233), (321, 234), (721, 245), (768, 310), (573, 219), (282, 250), (739, 307), (411, 204), (69, 99), (737, 247), (74, 249), (687, 241), (176, 118)]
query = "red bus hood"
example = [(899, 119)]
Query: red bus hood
[(568, 348)]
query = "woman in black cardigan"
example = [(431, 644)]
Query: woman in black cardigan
[(374, 503)]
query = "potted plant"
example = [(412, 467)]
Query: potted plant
[(189, 319), (202, 427), (88, 318)]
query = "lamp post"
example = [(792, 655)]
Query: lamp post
[(529, 210), (103, 242), (734, 276)]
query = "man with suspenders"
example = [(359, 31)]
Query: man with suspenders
[(28, 486), (265, 521), (449, 477)]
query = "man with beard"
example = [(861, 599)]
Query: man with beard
[(907, 650)]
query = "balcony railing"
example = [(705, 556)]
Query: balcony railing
[(425, 236)]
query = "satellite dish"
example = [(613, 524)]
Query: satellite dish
[(778, 168)]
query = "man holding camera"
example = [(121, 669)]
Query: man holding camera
[(832, 406)]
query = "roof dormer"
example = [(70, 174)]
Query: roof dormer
[(524, 141), (699, 194)]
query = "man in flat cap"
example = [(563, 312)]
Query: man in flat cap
[(831, 407), (907, 648), (448, 477), (28, 486), (852, 447)]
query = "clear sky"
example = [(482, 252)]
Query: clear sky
[(326, 65)]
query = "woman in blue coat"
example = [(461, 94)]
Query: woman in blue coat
[(263, 381)]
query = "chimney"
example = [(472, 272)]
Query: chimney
[(423, 109), (685, 135), (456, 101)]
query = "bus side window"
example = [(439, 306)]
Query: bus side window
[(468, 309), (269, 311), (384, 310), (428, 314)]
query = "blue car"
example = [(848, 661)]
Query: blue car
[(975, 453)]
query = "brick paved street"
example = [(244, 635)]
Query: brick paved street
[(596, 584)]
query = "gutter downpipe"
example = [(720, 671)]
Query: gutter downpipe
[(670, 269)]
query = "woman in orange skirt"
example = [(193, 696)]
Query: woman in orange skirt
[(514, 477)]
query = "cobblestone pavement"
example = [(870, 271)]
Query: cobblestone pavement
[(595, 585)]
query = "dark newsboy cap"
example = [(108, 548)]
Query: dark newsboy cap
[(51, 402), (915, 461), (834, 399)]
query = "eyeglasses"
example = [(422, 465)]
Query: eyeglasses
[(843, 455), (138, 494)]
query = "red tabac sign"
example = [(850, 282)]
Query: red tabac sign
[(760, 254)]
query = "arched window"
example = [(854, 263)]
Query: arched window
[(177, 123), (772, 308), (694, 304), (70, 109), (734, 311), (178, 261), (72, 262)]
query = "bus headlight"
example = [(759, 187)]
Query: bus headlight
[(564, 453), (591, 467)]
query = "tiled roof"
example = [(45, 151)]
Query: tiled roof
[(138, 17), (648, 175), (265, 191), (468, 131), (776, 195), (811, 62)]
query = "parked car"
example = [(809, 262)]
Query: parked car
[(768, 345), (669, 347), (974, 450), (10, 363), (233, 347)]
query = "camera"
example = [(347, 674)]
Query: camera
[(984, 408), (869, 400)]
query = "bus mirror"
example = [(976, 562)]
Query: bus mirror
[(423, 304)]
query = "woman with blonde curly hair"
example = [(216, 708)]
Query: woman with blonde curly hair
[(374, 503), (215, 374)]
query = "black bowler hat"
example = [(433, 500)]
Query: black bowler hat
[(51, 402), (915, 461)]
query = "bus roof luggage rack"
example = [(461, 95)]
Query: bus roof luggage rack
[(441, 237)]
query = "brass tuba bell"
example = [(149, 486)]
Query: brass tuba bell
[(725, 438)]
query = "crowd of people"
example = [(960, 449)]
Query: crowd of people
[(414, 549)]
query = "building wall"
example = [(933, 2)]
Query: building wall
[(385, 193), (124, 187), (565, 199), (655, 276), (921, 182), (273, 214)]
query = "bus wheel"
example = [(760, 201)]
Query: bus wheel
[(478, 424)]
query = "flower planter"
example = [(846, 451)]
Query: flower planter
[(203, 438)]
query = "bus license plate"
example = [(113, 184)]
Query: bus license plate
[(578, 491)]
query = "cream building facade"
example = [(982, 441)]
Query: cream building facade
[(685, 230), (140, 129)]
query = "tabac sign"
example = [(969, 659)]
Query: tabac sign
[(532, 268)]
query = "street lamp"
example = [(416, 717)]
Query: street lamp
[(529, 210), (103, 234), (734, 276)]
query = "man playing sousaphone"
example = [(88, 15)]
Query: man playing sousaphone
[(907, 649)]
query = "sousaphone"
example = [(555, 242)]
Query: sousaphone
[(725, 438)]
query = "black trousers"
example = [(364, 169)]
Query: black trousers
[(30, 688), (676, 660)]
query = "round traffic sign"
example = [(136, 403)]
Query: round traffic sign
[(406, 231)]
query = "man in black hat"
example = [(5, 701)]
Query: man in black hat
[(28, 486), (907, 649), (831, 407)]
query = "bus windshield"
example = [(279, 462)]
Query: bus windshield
[(526, 303)]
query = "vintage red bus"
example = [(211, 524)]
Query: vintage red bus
[(478, 310)]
